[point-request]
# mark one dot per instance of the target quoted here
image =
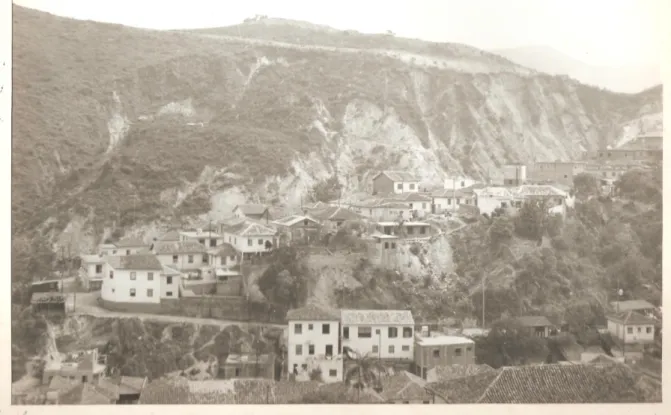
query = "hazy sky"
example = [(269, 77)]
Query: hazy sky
[(610, 32)]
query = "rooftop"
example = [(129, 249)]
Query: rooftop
[(448, 372), (312, 312), (250, 228), (631, 305), (538, 190), (631, 317), (449, 193), (201, 234), (399, 176), (252, 208), (226, 250), (377, 317), (534, 321), (404, 223), (47, 298), (493, 191), (130, 243), (169, 271), (403, 386), (86, 394), (335, 213), (179, 247), (170, 236), (92, 259), (246, 359), (442, 340), (132, 262), (293, 219)]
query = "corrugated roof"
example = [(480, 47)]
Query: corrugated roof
[(631, 317), (138, 261), (399, 176), (294, 219), (631, 305), (335, 213), (252, 208), (534, 321), (448, 372), (181, 247), (312, 312), (467, 389), (130, 243), (250, 228), (528, 190), (374, 317)]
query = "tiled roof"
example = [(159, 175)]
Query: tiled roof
[(226, 250), (447, 372), (445, 193), (312, 312), (492, 191), (416, 197), (85, 394), (132, 384), (631, 317), (578, 383), (350, 395), (538, 190), (631, 305), (252, 209), (168, 271), (403, 386), (139, 261), (91, 259), (534, 321), (361, 317), (130, 243), (293, 219), (183, 247), (335, 213), (467, 389), (170, 236), (166, 391), (250, 228), (62, 384), (399, 176)]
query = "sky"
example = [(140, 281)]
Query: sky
[(597, 32)]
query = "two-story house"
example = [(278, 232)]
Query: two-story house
[(383, 250), (183, 256), (255, 211), (332, 217), (208, 239), (458, 182), (131, 246), (450, 200), (437, 349), (397, 182), (385, 334), (299, 229), (131, 280), (91, 273), (313, 343), (406, 230), (251, 238)]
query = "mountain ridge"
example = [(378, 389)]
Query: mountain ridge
[(163, 125)]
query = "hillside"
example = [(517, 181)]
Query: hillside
[(628, 79), (157, 126)]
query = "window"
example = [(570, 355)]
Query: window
[(114, 252), (399, 186), (393, 245), (260, 241), (423, 205), (328, 351), (345, 332), (99, 269), (375, 349), (326, 328), (175, 258), (168, 280), (386, 245), (412, 186), (213, 242), (405, 348), (304, 366), (150, 292), (457, 351), (392, 332), (436, 352), (201, 241), (391, 349), (127, 251), (249, 242), (232, 258), (133, 275), (168, 294), (190, 259), (333, 373), (111, 275), (364, 332), (449, 201), (237, 372), (468, 349), (459, 200), (85, 379), (132, 292), (630, 330), (298, 328), (422, 230), (299, 349), (639, 329), (311, 349), (407, 332), (648, 330), (377, 331), (205, 258), (150, 276), (309, 326), (462, 184)]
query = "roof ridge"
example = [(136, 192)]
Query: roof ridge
[(503, 369)]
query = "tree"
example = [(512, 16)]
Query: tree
[(500, 232), (326, 190), (364, 372), (509, 344), (285, 280), (530, 221), (586, 185)]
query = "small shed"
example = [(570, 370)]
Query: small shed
[(249, 366), (48, 302)]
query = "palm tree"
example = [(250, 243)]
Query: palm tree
[(364, 372)]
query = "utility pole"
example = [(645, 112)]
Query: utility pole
[(484, 278)]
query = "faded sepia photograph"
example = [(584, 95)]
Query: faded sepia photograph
[(423, 202)]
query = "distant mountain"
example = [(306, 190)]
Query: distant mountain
[(630, 79)]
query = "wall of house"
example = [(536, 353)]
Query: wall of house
[(232, 286), (489, 204), (130, 250), (263, 370), (378, 344), (634, 333), (118, 288), (184, 262), (204, 239), (310, 333), (562, 173), (383, 184), (242, 244), (420, 209), (458, 183), (225, 262), (514, 175), (170, 286), (452, 354)]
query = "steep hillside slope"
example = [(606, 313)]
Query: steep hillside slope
[(115, 126)]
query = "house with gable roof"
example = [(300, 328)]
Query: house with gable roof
[(385, 334), (313, 343), (299, 229), (391, 181), (91, 272), (251, 238), (130, 246), (255, 211), (184, 256), (132, 279), (332, 217), (631, 327)]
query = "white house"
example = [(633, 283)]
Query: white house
[(183, 255), (419, 204), (131, 246), (224, 256), (132, 279), (313, 343), (488, 199), (255, 211), (406, 230), (397, 182), (251, 238), (91, 273), (458, 182), (514, 174), (107, 249), (450, 200), (208, 239), (170, 282), (631, 327), (386, 334)]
